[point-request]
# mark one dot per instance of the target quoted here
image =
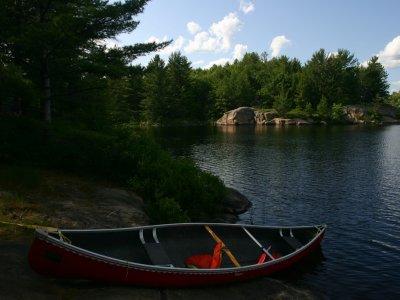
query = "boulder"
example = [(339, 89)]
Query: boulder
[(264, 118), (231, 207), (356, 114), (239, 116), (360, 114)]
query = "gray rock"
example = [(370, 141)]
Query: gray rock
[(263, 118), (232, 206), (238, 116), (356, 114)]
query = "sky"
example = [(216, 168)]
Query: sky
[(211, 32)]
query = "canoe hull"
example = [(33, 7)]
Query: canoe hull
[(50, 258)]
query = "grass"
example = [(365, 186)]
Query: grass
[(16, 209)]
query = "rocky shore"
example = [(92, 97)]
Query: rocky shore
[(352, 114), (70, 202)]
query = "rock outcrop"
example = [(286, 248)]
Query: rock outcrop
[(356, 114), (353, 114), (238, 116), (265, 118), (362, 114), (249, 116)]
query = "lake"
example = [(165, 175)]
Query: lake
[(347, 177)]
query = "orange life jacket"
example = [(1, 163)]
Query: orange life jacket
[(206, 261)]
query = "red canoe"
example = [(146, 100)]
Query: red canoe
[(173, 255)]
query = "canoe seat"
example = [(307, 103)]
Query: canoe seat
[(293, 242), (157, 255)]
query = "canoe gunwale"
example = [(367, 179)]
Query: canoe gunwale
[(44, 236)]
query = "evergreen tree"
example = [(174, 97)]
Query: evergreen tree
[(179, 87), (374, 85), (154, 104), (54, 39), (330, 75)]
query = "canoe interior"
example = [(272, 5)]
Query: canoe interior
[(180, 242)]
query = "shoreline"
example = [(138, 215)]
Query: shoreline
[(75, 204)]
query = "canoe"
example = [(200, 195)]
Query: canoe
[(172, 255)]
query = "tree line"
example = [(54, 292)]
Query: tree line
[(54, 65), (325, 82)]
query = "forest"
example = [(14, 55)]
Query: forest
[(55, 66), (75, 103)]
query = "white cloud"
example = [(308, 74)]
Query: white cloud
[(278, 44), (193, 27), (225, 29), (390, 56), (175, 46), (218, 62), (198, 62), (202, 42), (239, 51), (246, 7), (218, 38)]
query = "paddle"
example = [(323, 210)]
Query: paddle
[(226, 250), (259, 244)]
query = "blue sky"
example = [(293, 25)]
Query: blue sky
[(217, 31)]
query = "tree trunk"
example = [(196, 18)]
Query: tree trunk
[(46, 98)]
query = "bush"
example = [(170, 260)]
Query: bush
[(297, 113), (121, 155), (166, 210), (337, 112), (323, 109)]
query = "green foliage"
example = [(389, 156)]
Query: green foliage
[(17, 95), (309, 109), (282, 103), (337, 112), (373, 81), (120, 155), (394, 99), (154, 103), (56, 44), (323, 109), (297, 113), (166, 210)]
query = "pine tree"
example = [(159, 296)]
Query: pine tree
[(55, 40)]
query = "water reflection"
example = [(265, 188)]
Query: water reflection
[(346, 177)]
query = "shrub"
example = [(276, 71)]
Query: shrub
[(120, 155), (166, 210), (337, 112), (297, 113), (323, 109)]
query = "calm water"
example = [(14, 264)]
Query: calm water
[(346, 177)]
